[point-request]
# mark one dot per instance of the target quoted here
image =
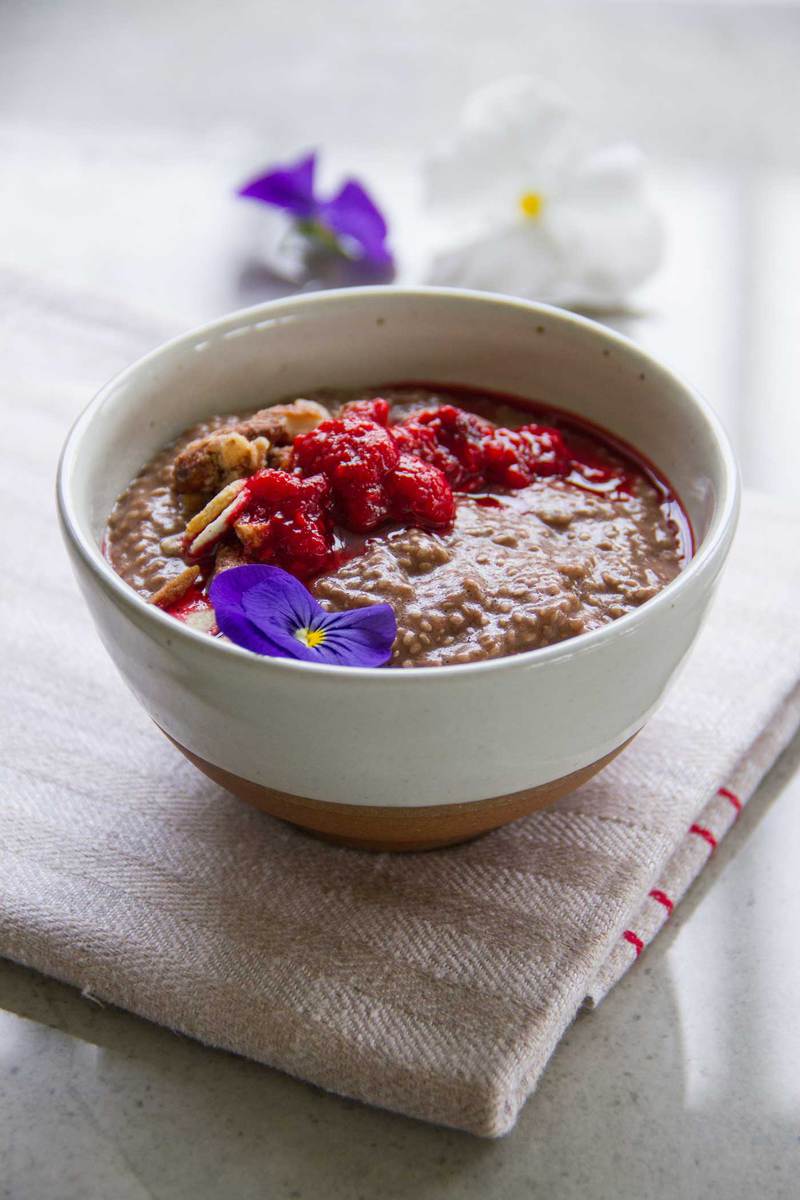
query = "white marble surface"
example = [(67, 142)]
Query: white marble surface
[(122, 128)]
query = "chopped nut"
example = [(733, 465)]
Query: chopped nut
[(172, 546), (252, 534), (212, 521), (173, 589), (208, 463), (282, 423), (280, 457)]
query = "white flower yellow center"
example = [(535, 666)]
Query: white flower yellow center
[(310, 637), (531, 204)]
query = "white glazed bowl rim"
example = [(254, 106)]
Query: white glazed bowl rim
[(722, 521)]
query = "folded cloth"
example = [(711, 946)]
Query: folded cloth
[(436, 984)]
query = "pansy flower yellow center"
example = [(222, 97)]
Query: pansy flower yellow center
[(311, 637), (531, 204)]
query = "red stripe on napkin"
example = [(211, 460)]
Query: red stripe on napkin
[(634, 940)]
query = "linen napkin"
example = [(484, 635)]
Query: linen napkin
[(437, 984)]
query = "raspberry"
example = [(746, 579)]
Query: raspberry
[(419, 492), (451, 440), (355, 454), (474, 454), (357, 471), (287, 522), (376, 410), (515, 457), (274, 487)]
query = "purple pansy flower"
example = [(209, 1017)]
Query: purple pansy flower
[(350, 222), (268, 611)]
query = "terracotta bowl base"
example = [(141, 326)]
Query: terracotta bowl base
[(369, 827)]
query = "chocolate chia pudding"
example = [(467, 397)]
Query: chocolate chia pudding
[(491, 525)]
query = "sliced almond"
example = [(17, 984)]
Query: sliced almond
[(213, 532), (217, 529), (213, 509), (175, 588)]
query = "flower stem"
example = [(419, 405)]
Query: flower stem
[(315, 231)]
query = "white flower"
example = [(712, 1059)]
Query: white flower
[(524, 201)]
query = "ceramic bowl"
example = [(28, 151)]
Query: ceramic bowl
[(399, 759)]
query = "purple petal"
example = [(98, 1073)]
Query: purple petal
[(236, 626), (226, 595), (290, 187), (353, 214), (360, 636), (263, 608), (279, 605), (230, 586)]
